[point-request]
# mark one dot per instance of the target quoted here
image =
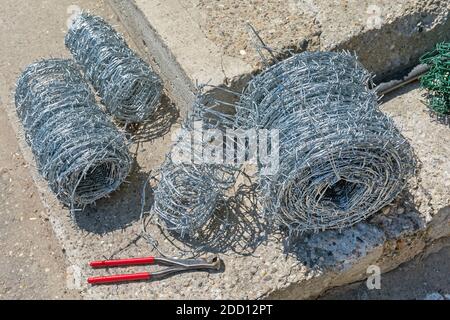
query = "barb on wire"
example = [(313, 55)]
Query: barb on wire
[(77, 148), (128, 87), (340, 158)]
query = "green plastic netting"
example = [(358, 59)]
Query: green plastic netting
[(437, 79)]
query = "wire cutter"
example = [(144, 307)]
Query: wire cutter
[(177, 266)]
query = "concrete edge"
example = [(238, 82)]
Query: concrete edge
[(388, 256), (47, 197), (179, 87)]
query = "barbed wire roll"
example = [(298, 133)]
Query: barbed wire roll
[(187, 196), (77, 149), (127, 85), (189, 191), (340, 158)]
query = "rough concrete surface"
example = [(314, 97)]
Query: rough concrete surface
[(256, 265), (205, 41), (426, 277)]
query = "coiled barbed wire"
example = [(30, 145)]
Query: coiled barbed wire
[(77, 148), (127, 85), (191, 188), (187, 196), (340, 158)]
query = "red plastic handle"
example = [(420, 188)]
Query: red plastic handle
[(120, 278), (122, 262)]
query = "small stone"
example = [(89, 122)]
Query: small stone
[(230, 285), (267, 278), (401, 210), (243, 52), (253, 270)]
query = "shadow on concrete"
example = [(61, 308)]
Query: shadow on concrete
[(337, 249), (123, 207), (399, 92), (117, 211), (440, 118), (158, 125), (412, 280), (235, 226)]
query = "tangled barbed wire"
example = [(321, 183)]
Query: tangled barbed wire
[(188, 195), (127, 85), (190, 189), (341, 158), (77, 148)]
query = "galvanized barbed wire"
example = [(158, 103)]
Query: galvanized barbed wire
[(340, 158), (77, 149), (127, 85), (190, 190)]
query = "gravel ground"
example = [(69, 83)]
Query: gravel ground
[(32, 265), (277, 22)]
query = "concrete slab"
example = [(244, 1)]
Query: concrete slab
[(209, 42), (258, 265)]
